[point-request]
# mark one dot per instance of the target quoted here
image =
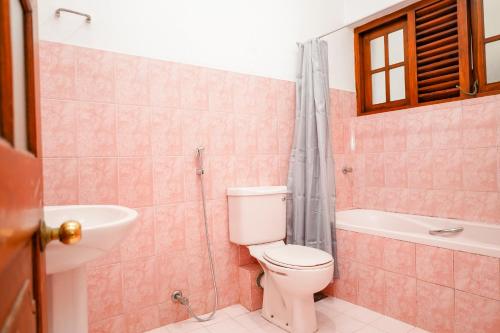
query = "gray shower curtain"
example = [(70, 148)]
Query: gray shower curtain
[(311, 176)]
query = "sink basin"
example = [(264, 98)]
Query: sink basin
[(103, 227)]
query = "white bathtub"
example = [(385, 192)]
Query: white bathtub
[(475, 238)]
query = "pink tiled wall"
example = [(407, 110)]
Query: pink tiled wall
[(120, 129), (441, 160), (437, 289)]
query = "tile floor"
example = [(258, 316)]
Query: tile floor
[(334, 316)]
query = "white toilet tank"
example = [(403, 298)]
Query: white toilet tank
[(257, 215)]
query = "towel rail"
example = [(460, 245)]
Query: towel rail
[(88, 18)]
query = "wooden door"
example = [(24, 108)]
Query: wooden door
[(22, 266)]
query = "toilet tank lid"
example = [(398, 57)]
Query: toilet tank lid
[(257, 190)]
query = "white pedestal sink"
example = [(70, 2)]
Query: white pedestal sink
[(103, 227)]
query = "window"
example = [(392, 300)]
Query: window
[(486, 37), (430, 52), (386, 66)]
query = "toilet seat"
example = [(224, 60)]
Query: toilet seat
[(298, 257)]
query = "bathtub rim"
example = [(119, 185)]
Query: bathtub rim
[(436, 241)]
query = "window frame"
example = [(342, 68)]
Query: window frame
[(468, 48), (384, 32), (479, 49)]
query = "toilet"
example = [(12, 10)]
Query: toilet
[(292, 273)]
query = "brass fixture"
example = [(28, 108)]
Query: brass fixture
[(346, 170), (70, 232)]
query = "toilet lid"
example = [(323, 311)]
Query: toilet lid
[(297, 256)]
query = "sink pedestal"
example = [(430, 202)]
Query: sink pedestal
[(67, 301)]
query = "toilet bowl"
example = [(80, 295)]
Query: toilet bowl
[(292, 273)]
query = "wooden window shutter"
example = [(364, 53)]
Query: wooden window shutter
[(437, 51)]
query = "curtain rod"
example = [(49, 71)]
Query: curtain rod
[(331, 32)]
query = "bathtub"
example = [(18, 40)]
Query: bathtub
[(476, 238)]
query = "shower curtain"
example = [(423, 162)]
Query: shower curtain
[(311, 176)]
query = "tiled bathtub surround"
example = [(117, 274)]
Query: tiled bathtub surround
[(441, 160), (120, 129), (436, 289)]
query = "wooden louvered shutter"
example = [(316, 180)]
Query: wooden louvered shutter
[(439, 49)]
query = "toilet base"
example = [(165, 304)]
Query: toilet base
[(293, 314)]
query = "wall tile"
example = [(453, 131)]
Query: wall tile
[(221, 136), (104, 292), (95, 79), (140, 242), (135, 182), (476, 314), (420, 202), (394, 132), (199, 276), (371, 288), (168, 175), (139, 281), (401, 297), (419, 131), (98, 181), (435, 307), (447, 166), (164, 80), (374, 170), (223, 171), (395, 199), (285, 101), (57, 70), (171, 312), (195, 132), (268, 169), (448, 204), (58, 122), (477, 274), (169, 279), (133, 130), (220, 91), (96, 134), (346, 244), (420, 169), (434, 265), (369, 249), (111, 325), (195, 223), (479, 125), (482, 206), (60, 181), (337, 136), (346, 286), (132, 80), (447, 127), (267, 138), (166, 132), (194, 87), (480, 169), (395, 168), (245, 129), (369, 135), (139, 149), (170, 226), (399, 256), (192, 183), (144, 319)]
